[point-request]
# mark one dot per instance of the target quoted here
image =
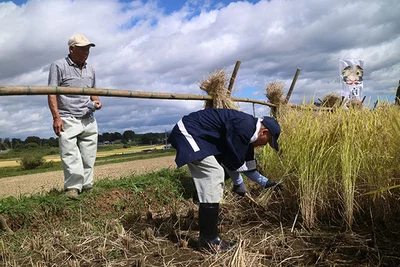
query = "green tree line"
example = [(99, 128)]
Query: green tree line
[(127, 137)]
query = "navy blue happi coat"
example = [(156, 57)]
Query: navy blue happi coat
[(224, 133)]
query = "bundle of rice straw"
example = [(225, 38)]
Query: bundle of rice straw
[(354, 104), (331, 100), (274, 92), (215, 86)]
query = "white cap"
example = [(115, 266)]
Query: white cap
[(79, 40)]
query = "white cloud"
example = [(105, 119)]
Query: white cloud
[(141, 47)]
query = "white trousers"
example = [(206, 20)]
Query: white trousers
[(208, 176), (78, 148)]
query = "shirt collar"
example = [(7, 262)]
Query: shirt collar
[(258, 127), (71, 63)]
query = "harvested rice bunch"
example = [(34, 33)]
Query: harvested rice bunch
[(331, 100), (274, 92), (215, 86), (354, 104)]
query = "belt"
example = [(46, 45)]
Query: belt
[(86, 116)]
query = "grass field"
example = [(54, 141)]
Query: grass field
[(107, 156), (100, 154)]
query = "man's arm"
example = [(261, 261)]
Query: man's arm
[(94, 98), (54, 77), (58, 125)]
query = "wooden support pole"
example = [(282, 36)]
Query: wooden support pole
[(296, 75), (376, 104), (341, 101), (233, 77), (56, 90), (362, 101), (274, 112)]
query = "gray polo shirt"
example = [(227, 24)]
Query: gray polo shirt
[(66, 73)]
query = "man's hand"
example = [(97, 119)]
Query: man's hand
[(277, 187), (58, 126), (98, 104), (240, 189)]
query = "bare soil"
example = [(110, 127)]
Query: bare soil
[(44, 182)]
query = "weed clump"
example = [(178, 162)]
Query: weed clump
[(31, 161)]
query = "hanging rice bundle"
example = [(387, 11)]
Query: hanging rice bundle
[(354, 104), (215, 86), (331, 100), (274, 92)]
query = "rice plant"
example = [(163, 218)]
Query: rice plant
[(332, 161)]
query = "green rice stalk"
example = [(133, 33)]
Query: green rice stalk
[(307, 156), (351, 160), (329, 161)]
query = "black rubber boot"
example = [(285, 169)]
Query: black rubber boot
[(208, 220)]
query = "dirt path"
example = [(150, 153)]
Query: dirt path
[(43, 182)]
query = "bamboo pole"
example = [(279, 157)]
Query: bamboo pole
[(233, 77), (56, 90), (296, 75)]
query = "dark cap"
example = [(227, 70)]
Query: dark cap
[(273, 127)]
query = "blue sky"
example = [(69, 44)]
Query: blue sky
[(171, 46), (169, 6)]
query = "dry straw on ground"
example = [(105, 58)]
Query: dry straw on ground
[(3, 225), (215, 86), (267, 230)]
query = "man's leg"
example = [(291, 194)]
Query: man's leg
[(208, 176), (87, 142), (70, 155)]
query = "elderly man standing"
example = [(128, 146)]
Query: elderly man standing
[(73, 116)]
